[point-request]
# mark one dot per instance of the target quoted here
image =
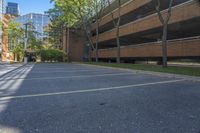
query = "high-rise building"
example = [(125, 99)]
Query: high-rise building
[(2, 11), (12, 8), (38, 21), (2, 6)]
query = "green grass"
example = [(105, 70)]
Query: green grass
[(191, 71)]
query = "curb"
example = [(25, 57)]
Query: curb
[(160, 74), (12, 70)]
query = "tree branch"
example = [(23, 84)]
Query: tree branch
[(169, 11), (157, 3)]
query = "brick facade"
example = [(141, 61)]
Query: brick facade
[(73, 44), (6, 55), (183, 32)]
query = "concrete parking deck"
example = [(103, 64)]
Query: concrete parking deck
[(72, 98)]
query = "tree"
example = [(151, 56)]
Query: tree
[(18, 51), (15, 33), (164, 19), (116, 23), (34, 40), (99, 6), (55, 28), (78, 13)]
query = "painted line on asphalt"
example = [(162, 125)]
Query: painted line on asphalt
[(69, 77), (66, 68), (71, 71), (90, 90)]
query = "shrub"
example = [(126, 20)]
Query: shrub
[(52, 55)]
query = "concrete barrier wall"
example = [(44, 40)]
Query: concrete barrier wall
[(125, 8), (177, 48), (180, 13)]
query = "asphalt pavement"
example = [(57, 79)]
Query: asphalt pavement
[(76, 98), (6, 68)]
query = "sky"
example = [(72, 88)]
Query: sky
[(32, 6)]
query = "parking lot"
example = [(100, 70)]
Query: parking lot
[(77, 98)]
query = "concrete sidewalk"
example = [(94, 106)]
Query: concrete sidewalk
[(6, 68)]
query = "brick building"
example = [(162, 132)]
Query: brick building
[(141, 31), (6, 55), (74, 44)]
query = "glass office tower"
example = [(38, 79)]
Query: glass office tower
[(2, 11), (38, 21), (12, 9)]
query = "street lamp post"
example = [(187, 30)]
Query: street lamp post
[(25, 43)]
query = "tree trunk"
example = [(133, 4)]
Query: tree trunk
[(164, 45), (116, 25), (118, 39), (118, 45), (87, 32), (14, 57), (68, 45), (97, 58), (97, 41), (18, 57)]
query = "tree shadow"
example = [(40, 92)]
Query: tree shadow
[(10, 84)]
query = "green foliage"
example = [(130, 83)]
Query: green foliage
[(52, 55), (70, 13), (55, 28), (37, 45), (1, 25), (75, 11), (18, 50), (15, 34)]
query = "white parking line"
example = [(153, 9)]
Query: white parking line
[(69, 77), (56, 68), (97, 70), (90, 90)]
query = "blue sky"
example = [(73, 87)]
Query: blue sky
[(32, 6)]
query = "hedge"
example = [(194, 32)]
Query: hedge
[(52, 55)]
